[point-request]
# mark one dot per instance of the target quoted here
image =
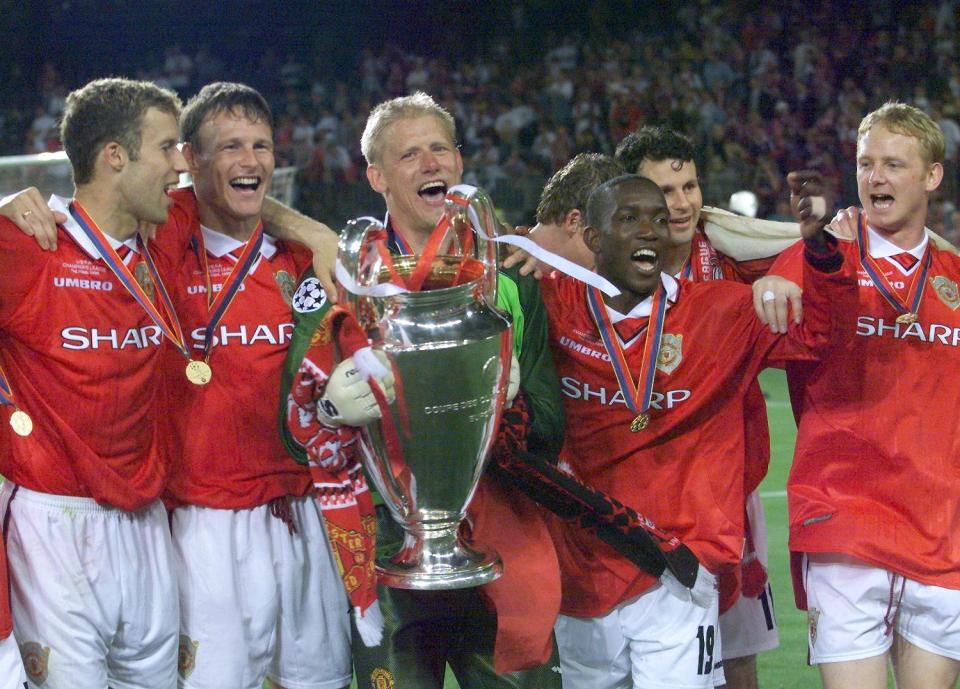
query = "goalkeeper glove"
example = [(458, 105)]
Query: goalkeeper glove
[(348, 399)]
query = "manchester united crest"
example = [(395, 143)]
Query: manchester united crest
[(187, 656), (381, 678), (142, 275), (947, 291), (36, 659), (813, 618), (287, 285), (671, 353)]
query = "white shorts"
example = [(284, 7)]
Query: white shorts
[(93, 595), (750, 626), (655, 641), (853, 608), (259, 602), (12, 675)]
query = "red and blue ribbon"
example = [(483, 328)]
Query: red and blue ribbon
[(171, 330), (911, 304), (217, 306), (637, 397)]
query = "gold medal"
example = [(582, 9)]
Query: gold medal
[(907, 318), (639, 423), (21, 423), (199, 372)]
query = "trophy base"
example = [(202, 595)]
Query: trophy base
[(454, 566)]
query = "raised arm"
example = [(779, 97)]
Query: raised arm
[(285, 223)]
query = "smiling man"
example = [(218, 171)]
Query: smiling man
[(92, 588), (874, 493), (747, 621), (671, 445), (259, 592), (413, 159), (499, 635)]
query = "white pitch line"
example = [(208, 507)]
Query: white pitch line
[(767, 494)]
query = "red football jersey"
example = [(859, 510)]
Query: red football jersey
[(876, 472), (685, 470), (225, 448), (709, 264), (83, 361)]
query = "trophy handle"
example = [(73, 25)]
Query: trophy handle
[(363, 267), (484, 249)]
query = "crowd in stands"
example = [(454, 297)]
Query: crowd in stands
[(762, 88)]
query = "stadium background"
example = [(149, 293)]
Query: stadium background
[(762, 87)]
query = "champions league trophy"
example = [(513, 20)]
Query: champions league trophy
[(450, 350)]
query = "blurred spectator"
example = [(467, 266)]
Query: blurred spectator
[(761, 90)]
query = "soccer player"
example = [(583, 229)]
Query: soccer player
[(671, 445), (92, 590), (747, 622), (560, 219), (412, 157), (259, 591), (874, 495)]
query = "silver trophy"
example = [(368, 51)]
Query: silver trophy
[(450, 350)]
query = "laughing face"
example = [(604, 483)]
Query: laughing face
[(629, 249), (677, 180), (894, 182), (419, 163), (231, 172)]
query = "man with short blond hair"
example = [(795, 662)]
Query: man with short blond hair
[(874, 492), (481, 634)]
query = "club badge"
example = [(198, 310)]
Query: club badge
[(187, 656), (381, 678), (287, 285), (36, 658), (813, 618), (141, 273), (309, 297), (671, 353), (947, 291)]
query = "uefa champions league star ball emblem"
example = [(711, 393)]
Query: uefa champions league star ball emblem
[(309, 296)]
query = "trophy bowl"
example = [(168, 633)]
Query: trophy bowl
[(450, 352)]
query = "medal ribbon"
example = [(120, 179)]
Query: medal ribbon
[(171, 331), (637, 398), (6, 392), (218, 306), (873, 269)]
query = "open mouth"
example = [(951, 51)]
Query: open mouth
[(881, 201), (680, 222), (246, 184), (646, 260), (433, 192)]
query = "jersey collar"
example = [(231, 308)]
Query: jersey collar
[(72, 227), (881, 247), (219, 244), (642, 310)]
